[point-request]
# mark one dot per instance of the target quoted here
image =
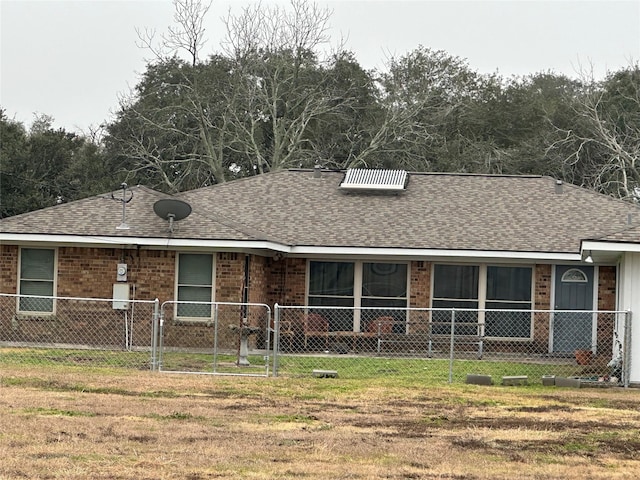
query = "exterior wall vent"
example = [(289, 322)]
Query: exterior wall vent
[(374, 179)]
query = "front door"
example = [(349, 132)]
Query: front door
[(574, 291)]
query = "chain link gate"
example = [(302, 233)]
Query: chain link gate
[(218, 338), (448, 344)]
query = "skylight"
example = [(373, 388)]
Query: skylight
[(374, 179)]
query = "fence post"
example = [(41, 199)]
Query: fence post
[(626, 351), (215, 337), (452, 344), (276, 338), (154, 335)]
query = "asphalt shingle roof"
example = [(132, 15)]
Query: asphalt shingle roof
[(293, 207)]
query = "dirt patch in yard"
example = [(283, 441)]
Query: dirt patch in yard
[(74, 424)]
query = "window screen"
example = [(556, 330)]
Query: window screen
[(195, 284), (37, 268), (508, 288)]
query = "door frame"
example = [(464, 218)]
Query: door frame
[(552, 306)]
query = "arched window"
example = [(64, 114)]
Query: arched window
[(574, 275)]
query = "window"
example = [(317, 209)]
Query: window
[(195, 284), (455, 286), (357, 284), (384, 285), (37, 273), (484, 287), (332, 284), (508, 288), (574, 275)]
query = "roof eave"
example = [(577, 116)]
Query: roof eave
[(310, 251)]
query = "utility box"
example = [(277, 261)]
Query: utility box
[(120, 296)]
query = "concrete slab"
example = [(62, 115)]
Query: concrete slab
[(512, 380), (325, 373), (475, 379)]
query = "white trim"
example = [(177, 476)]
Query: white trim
[(482, 294), (610, 246), (433, 254), (595, 308), (594, 302), (552, 306), (334, 252), (167, 243), (176, 285), (358, 266), (54, 282)]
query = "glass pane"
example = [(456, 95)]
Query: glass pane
[(43, 288), (456, 281), (37, 264), (509, 283), (195, 269), (194, 294), (574, 275), (399, 316), (36, 304), (331, 278), (465, 321), (36, 288), (508, 324), (331, 301), (384, 280)]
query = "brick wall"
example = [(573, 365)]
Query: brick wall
[(289, 279), (229, 277), (8, 268), (420, 284), (91, 272), (542, 301), (606, 302), (607, 288)]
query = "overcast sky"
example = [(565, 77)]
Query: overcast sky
[(72, 59)]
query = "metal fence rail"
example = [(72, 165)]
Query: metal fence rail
[(77, 331), (452, 343)]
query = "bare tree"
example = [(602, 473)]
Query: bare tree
[(604, 143), (187, 33), (280, 82)]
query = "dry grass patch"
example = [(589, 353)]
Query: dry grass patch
[(71, 423)]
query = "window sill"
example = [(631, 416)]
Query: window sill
[(36, 316), (206, 321)]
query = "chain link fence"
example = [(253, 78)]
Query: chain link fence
[(76, 331), (448, 345), (216, 338), (454, 345)]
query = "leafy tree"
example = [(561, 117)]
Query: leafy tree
[(44, 166)]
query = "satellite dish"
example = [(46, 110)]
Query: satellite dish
[(171, 209)]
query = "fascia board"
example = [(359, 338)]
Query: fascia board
[(610, 246), (286, 249), (103, 241), (431, 253)]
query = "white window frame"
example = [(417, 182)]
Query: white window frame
[(177, 285), (357, 283), (482, 293), (54, 283)]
